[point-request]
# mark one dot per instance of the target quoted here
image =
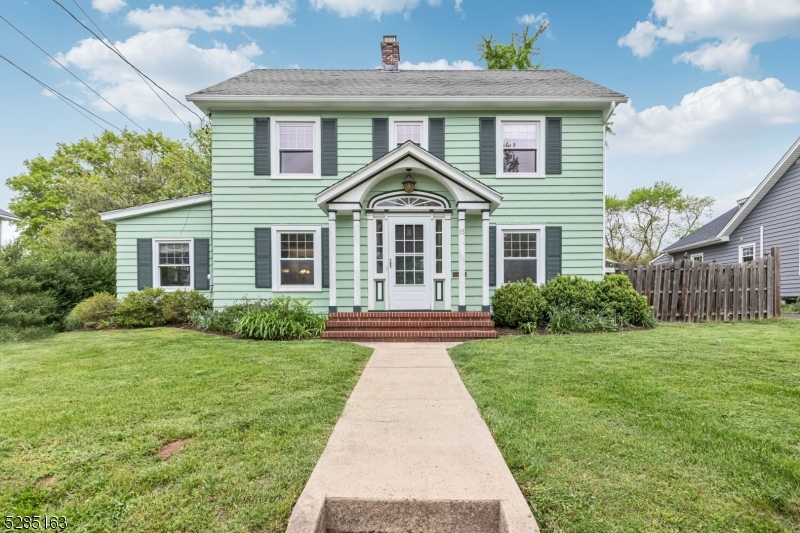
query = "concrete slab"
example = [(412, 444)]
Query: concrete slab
[(411, 453)]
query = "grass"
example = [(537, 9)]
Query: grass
[(681, 428), (83, 415)]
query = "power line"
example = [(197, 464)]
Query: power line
[(65, 99), (72, 73), (130, 64)]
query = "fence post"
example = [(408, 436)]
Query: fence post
[(776, 254)]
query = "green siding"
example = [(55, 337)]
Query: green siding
[(193, 221), (242, 201)]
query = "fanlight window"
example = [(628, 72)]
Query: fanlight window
[(409, 201)]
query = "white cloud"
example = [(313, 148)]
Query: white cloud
[(458, 5), (351, 8), (731, 111), (166, 56), (108, 6), (735, 26), (532, 18), (251, 13), (441, 64)]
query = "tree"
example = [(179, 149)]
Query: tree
[(59, 198), (519, 53), (637, 226)]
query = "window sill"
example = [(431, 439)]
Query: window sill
[(297, 288), (296, 177), (521, 175), (173, 289)]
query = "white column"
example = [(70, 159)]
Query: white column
[(357, 261), (485, 261), (462, 259), (370, 262), (332, 257), (447, 251)]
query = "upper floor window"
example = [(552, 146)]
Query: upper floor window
[(403, 129), (696, 257), (520, 145), (296, 150), (747, 252)]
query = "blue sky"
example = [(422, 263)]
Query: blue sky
[(714, 85)]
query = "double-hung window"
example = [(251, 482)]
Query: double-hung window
[(697, 257), (173, 265), (520, 146), (296, 149), (747, 253), (298, 258), (404, 129), (520, 253)]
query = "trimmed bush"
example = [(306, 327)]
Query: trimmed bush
[(283, 318), (570, 292), (94, 312), (141, 309), (179, 305), (517, 303), (615, 295)]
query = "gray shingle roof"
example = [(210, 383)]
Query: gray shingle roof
[(709, 231), (417, 83), (5, 215)]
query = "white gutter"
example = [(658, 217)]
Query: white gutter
[(697, 244)]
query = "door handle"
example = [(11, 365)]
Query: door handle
[(390, 263)]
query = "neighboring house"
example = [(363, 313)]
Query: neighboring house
[(383, 189), (5, 216), (770, 217)]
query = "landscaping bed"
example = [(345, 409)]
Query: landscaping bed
[(690, 427), (166, 430)]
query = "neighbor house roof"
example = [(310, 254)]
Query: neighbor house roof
[(405, 87), (721, 228), (155, 207), (5, 215)]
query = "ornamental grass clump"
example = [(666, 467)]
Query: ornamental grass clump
[(283, 318), (225, 320)]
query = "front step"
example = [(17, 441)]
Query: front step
[(409, 326)]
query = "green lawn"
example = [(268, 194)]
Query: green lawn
[(82, 416), (681, 428)]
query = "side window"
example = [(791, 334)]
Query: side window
[(747, 252), (173, 268), (520, 256)]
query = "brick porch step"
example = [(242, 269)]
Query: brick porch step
[(400, 326)]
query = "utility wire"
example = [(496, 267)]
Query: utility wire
[(72, 73), (65, 99), (131, 65)]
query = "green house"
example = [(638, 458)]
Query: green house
[(383, 189)]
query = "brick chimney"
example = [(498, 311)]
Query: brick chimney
[(390, 53)]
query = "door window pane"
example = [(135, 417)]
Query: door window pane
[(410, 263), (379, 246), (297, 258), (439, 246)]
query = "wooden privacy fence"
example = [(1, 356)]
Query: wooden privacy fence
[(690, 291)]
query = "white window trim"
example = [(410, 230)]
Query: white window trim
[(742, 247), (692, 257), (276, 259), (275, 159), (540, 250), (157, 272), (393, 121), (540, 146)]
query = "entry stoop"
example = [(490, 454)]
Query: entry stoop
[(409, 326)]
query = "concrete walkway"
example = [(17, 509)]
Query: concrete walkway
[(411, 454)]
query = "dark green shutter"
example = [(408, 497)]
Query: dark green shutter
[(201, 264), (330, 152), (144, 263), (326, 263), (436, 137), (261, 155), (553, 239), (488, 142), (380, 137), (263, 258), (552, 154), (492, 255)]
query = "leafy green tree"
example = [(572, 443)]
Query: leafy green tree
[(637, 226), (519, 53), (59, 198)]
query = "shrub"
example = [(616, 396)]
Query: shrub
[(224, 320), (569, 292), (795, 307), (615, 295), (94, 312), (282, 318), (179, 305), (517, 303), (141, 309)]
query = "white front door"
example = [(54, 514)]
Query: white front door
[(410, 284)]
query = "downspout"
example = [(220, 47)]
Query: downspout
[(762, 240), (607, 116)]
